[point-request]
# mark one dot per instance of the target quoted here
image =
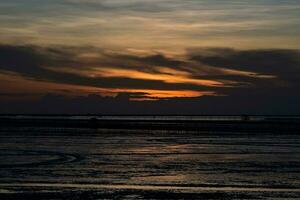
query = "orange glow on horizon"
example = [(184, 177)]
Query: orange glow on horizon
[(164, 94), (18, 84)]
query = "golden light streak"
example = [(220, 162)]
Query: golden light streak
[(247, 74), (166, 75), (165, 94), (167, 78)]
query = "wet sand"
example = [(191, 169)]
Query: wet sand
[(141, 164)]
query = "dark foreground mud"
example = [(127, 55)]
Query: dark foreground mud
[(141, 164)]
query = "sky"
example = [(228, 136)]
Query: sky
[(150, 56)]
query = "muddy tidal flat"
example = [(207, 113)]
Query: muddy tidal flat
[(45, 163)]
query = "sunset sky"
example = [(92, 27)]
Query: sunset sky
[(151, 53)]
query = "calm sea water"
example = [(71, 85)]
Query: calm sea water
[(102, 164)]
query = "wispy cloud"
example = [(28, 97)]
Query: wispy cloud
[(157, 25)]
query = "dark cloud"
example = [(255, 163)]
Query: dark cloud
[(244, 103), (255, 95), (32, 62), (283, 63)]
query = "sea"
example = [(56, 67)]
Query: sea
[(118, 163)]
